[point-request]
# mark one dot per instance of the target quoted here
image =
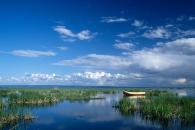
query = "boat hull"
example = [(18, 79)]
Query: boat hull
[(133, 93)]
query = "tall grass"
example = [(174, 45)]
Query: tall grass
[(13, 102), (163, 107), (46, 96), (126, 106)]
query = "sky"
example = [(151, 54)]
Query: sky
[(133, 43)]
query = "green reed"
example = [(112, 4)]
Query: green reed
[(15, 101), (162, 106)]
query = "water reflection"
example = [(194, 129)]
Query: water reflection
[(94, 114), (184, 92), (136, 97)]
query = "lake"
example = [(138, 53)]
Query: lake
[(95, 114)]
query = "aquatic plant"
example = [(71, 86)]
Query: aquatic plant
[(126, 106), (163, 107), (14, 103)]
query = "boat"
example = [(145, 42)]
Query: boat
[(127, 93)]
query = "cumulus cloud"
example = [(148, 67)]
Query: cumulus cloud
[(125, 35), (68, 35), (113, 19), (137, 23), (32, 53), (167, 61), (36, 77), (100, 75), (98, 61), (183, 45), (164, 62), (63, 48), (124, 46), (167, 55), (162, 57), (184, 33), (81, 78), (145, 59), (155, 61), (180, 81), (159, 32), (94, 75), (148, 60)]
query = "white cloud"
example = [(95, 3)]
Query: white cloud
[(63, 48), (155, 61), (84, 35), (180, 81), (113, 20), (137, 23), (98, 61), (94, 75), (97, 75), (149, 60), (124, 46), (183, 45), (32, 53), (68, 35), (36, 77), (166, 59), (103, 78), (159, 32), (137, 76), (125, 35), (162, 63), (167, 55), (169, 26), (82, 78), (185, 33)]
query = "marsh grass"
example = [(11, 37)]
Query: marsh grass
[(49, 96), (16, 102), (126, 106), (162, 107), (10, 115)]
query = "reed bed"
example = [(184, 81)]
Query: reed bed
[(14, 101), (49, 96), (10, 115), (126, 106), (161, 107)]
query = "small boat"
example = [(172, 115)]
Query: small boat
[(126, 93)]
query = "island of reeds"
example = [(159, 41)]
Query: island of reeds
[(14, 102), (160, 106)]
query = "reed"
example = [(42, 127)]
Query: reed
[(162, 107), (49, 96), (9, 115), (13, 102), (126, 106)]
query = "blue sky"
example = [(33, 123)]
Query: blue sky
[(93, 42)]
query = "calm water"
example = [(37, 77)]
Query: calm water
[(94, 115)]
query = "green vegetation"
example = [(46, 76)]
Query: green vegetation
[(49, 96), (160, 106), (13, 101), (126, 106), (157, 105), (170, 107)]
